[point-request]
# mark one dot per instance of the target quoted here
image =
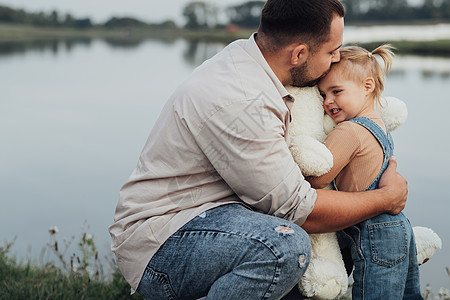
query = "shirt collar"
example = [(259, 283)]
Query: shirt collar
[(254, 51)]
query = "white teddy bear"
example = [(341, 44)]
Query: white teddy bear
[(326, 276)]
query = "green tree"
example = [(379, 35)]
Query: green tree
[(200, 15), (352, 7), (124, 22), (395, 10), (54, 19), (246, 15), (436, 9), (82, 23), (68, 20)]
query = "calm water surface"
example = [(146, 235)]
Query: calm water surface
[(74, 117)]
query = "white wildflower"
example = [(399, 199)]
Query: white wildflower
[(53, 230), (444, 294), (74, 267)]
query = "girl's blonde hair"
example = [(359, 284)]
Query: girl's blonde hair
[(358, 64)]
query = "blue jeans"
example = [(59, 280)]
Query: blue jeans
[(383, 248), (384, 255), (228, 252)]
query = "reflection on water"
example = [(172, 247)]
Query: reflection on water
[(197, 51), (66, 45), (75, 114), (425, 74), (53, 46), (132, 42), (420, 32), (429, 66)]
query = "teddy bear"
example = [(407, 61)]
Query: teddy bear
[(326, 276)]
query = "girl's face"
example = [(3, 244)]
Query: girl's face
[(344, 99)]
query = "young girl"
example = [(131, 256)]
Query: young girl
[(382, 248)]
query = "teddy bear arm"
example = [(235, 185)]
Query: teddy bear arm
[(313, 157)]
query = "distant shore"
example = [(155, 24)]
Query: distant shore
[(18, 32), (14, 33)]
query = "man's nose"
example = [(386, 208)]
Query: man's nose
[(336, 57)]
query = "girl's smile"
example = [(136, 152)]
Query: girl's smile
[(335, 111), (344, 99)]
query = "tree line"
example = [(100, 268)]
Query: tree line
[(52, 19), (200, 14), (396, 10), (203, 15)]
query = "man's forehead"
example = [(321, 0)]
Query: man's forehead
[(336, 34)]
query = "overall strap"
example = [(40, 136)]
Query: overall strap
[(384, 139)]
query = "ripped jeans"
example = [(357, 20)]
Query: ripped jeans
[(228, 252)]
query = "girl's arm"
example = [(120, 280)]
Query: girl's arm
[(343, 143), (336, 210)]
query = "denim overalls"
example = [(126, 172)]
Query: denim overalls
[(383, 248)]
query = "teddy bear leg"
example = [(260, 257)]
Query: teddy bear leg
[(326, 276), (427, 242), (323, 280)]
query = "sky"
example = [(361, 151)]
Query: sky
[(99, 11)]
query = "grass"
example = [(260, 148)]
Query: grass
[(443, 294), (80, 277)]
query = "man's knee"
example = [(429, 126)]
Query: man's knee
[(295, 250)]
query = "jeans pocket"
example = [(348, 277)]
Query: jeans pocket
[(156, 285), (388, 242)]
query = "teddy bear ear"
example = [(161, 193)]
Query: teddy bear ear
[(393, 112)]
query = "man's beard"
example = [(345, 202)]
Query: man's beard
[(300, 76)]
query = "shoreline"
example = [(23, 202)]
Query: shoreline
[(19, 34)]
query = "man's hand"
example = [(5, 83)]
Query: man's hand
[(395, 187), (336, 210)]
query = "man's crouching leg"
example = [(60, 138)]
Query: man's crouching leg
[(230, 252)]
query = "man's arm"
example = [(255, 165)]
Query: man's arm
[(335, 210)]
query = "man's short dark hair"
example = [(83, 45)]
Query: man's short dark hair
[(288, 21)]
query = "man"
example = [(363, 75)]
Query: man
[(215, 204)]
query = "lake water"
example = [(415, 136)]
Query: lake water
[(74, 117)]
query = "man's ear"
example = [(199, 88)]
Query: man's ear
[(369, 85), (299, 54)]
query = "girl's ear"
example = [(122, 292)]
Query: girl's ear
[(369, 85)]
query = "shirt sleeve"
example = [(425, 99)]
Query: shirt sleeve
[(245, 142), (343, 143)]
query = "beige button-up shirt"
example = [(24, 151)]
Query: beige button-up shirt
[(221, 138)]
